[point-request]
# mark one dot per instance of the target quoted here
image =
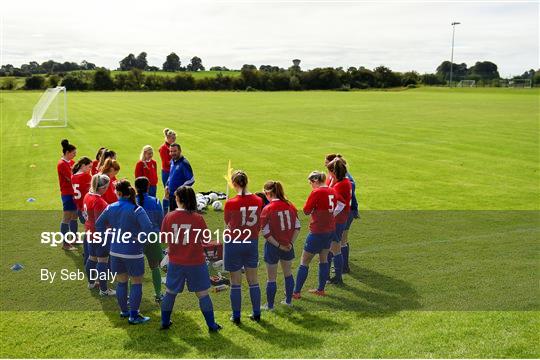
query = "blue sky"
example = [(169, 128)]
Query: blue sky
[(403, 35)]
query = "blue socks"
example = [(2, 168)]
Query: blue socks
[(135, 296), (301, 277), (255, 295), (167, 305), (64, 229), (345, 253), (207, 309), (102, 268), (121, 296), (271, 289), (73, 226), (338, 265), (90, 265), (330, 257), (324, 272), (289, 288), (236, 300)]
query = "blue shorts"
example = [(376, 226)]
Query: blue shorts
[(164, 177), (339, 231), (241, 255), (152, 190), (197, 277), (315, 243), (272, 254), (133, 267), (349, 220), (68, 204), (98, 250)]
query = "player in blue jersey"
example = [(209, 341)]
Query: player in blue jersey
[(126, 220), (353, 214), (181, 174), (152, 249)]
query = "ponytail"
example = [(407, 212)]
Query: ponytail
[(99, 153), (240, 178), (66, 146), (141, 185), (276, 189), (338, 168), (82, 161), (124, 187)]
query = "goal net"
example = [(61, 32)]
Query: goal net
[(519, 83), (51, 109), (467, 83)]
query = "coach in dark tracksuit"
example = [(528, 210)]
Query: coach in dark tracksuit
[(181, 174)]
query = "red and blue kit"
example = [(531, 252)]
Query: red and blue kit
[(344, 189), (110, 195), (279, 219), (243, 212), (322, 204), (64, 176)]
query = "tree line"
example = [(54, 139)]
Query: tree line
[(136, 76)]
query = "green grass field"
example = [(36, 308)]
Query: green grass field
[(444, 259)]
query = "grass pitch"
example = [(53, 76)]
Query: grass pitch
[(445, 259)]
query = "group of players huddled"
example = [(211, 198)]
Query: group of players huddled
[(93, 195)]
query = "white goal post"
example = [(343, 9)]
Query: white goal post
[(520, 83), (51, 108), (467, 83)]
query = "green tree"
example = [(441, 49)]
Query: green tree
[(483, 70), (195, 65), (141, 62), (172, 63), (128, 63), (34, 82)]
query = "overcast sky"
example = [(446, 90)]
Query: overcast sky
[(402, 35)]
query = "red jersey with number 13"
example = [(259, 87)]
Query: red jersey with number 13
[(243, 212)]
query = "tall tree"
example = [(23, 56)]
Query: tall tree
[(485, 70), (141, 62), (128, 63), (459, 71), (172, 63)]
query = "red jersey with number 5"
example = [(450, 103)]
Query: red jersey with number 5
[(183, 232), (81, 185), (279, 219), (344, 189), (323, 204), (64, 176), (243, 212)]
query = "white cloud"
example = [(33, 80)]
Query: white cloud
[(401, 35)]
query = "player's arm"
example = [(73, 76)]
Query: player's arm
[(297, 226), (139, 171), (187, 172), (310, 204)]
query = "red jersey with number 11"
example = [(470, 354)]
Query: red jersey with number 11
[(279, 219)]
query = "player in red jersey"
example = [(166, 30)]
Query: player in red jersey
[(187, 261), (343, 187), (110, 168), (147, 167), (242, 217), (69, 219), (323, 205), (165, 155), (95, 162), (98, 259), (105, 154), (80, 180), (280, 226)]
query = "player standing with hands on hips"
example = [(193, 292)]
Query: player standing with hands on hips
[(181, 174)]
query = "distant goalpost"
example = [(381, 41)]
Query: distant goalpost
[(467, 83), (520, 83), (50, 109)]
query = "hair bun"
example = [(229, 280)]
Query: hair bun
[(65, 143)]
